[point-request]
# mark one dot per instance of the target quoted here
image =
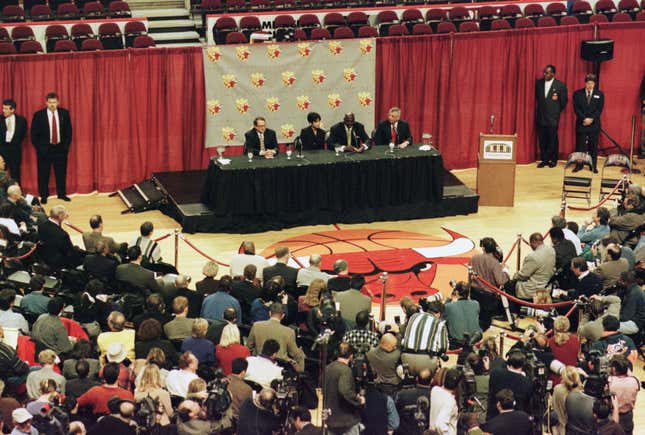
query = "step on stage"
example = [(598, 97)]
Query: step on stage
[(184, 190)]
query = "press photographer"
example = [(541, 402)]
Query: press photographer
[(462, 315), (413, 403), (510, 377), (425, 339), (258, 415)]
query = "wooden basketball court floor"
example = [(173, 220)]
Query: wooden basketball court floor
[(537, 198)]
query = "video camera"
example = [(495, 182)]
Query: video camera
[(543, 316), (219, 399), (597, 367)]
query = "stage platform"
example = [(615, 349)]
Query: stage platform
[(184, 189)]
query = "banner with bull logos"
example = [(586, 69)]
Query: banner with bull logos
[(283, 83)]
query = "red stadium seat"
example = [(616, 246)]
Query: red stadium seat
[(236, 38), (67, 11), (367, 32), (384, 20), (606, 7), (333, 20), (132, 30), (343, 32), (235, 5), (7, 48), (260, 5), (486, 15), (468, 26), (26, 5), (110, 36), (511, 13), (500, 24), (459, 13), (20, 34), (629, 6), (284, 26), (524, 23), (225, 25), (308, 21), (582, 10), (81, 32), (598, 18), (569, 21), (300, 35), (54, 33), (434, 17), (143, 42), (210, 6), (534, 10), (284, 4), (31, 47), (64, 45), (41, 13), (119, 9), (356, 20), (13, 14), (621, 17), (556, 9), (547, 22), (250, 24), (4, 35), (320, 33), (281, 21), (91, 45), (446, 27), (93, 10), (422, 29), (410, 17), (398, 30)]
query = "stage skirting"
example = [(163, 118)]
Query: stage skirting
[(139, 111), (323, 188)]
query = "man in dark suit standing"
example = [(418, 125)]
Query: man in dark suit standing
[(393, 130), (551, 98), (12, 131), (588, 103), (348, 135), (312, 137), (261, 140), (56, 248), (288, 273), (51, 134)]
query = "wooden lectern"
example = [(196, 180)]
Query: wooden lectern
[(496, 169)]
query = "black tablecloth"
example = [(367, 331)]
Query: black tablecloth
[(322, 188)]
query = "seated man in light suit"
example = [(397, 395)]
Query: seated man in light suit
[(349, 135), (393, 130), (536, 272), (261, 140)]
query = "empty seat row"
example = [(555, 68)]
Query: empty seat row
[(66, 45), (66, 11), (219, 6), (109, 37)]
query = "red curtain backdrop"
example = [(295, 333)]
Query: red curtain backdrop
[(133, 112), (451, 85)]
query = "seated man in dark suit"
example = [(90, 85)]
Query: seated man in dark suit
[(136, 275), (288, 273), (342, 279), (100, 264), (348, 135), (246, 291), (393, 130), (313, 137), (261, 140), (56, 248)]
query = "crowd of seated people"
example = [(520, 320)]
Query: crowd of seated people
[(112, 334)]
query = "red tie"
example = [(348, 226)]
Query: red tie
[(54, 129), (393, 135)]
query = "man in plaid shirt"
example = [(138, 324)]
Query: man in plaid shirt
[(361, 338)]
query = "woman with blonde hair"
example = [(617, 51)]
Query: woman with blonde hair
[(201, 347), (150, 385), (197, 390), (570, 382), (229, 348), (48, 393), (155, 356), (564, 345)]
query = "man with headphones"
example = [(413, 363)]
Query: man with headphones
[(508, 420)]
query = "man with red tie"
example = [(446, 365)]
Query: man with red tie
[(51, 134), (393, 130)]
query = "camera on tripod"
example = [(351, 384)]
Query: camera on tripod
[(219, 398), (597, 366)]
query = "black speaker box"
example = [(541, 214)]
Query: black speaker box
[(597, 50)]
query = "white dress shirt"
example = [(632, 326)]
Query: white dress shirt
[(547, 87), (177, 382), (11, 127), (240, 261), (262, 370), (49, 118)]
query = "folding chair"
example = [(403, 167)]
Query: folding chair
[(574, 186)]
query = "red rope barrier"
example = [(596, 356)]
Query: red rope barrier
[(74, 227), (607, 198), (159, 239), (515, 243), (21, 257), (200, 252)]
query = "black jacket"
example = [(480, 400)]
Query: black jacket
[(20, 130), (56, 248), (312, 141), (252, 141), (102, 267), (583, 110), (383, 134), (40, 130), (548, 109), (288, 273), (338, 135)]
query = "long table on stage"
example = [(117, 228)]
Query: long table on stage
[(322, 188)]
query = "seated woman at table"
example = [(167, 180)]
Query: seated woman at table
[(313, 137)]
